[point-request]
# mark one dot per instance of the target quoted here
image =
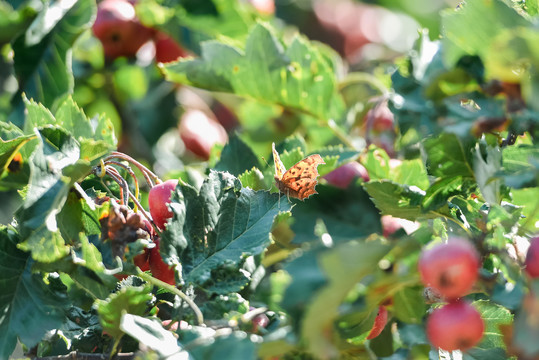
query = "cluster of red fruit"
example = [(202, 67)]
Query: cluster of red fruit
[(151, 259), (451, 270), (121, 33)]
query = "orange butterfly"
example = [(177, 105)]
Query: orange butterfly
[(300, 180)]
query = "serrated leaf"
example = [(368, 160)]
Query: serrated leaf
[(253, 179), (214, 230), (46, 195), (398, 200), (296, 76), (29, 307), (440, 191), (448, 156), (236, 157), (411, 173), (96, 131), (345, 266), (494, 316), (44, 50), (128, 300)]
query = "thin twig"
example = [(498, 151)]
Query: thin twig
[(174, 290)]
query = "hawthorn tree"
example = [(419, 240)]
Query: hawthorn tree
[(141, 215)]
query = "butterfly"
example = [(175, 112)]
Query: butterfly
[(300, 180)]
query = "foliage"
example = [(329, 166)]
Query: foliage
[(84, 137)]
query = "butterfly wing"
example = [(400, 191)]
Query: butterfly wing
[(300, 180), (280, 170)]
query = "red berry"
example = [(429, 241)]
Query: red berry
[(167, 49), (264, 6), (379, 323), (532, 258), (159, 268), (381, 118), (342, 176), (200, 133), (118, 29), (451, 268), (158, 198), (455, 326), (260, 321)]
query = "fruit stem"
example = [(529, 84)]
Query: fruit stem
[(130, 171), (124, 187), (175, 291), (147, 173)]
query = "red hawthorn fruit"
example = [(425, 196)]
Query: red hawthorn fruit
[(159, 268), (380, 118), (379, 323), (455, 326), (118, 29), (167, 49), (532, 258), (345, 174), (260, 321), (200, 133), (266, 7), (451, 268), (158, 198)]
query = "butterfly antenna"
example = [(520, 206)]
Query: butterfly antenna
[(263, 158)]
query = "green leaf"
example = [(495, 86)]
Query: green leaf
[(376, 161), (152, 334), (398, 200), (13, 22), (43, 57), (448, 156), (411, 173), (484, 19), (439, 192), (520, 166), (236, 157), (296, 76), (306, 278), (485, 169), (46, 195), (128, 300), (9, 148), (253, 179), (345, 266), (494, 316), (29, 307), (527, 199), (213, 231), (409, 305), (347, 214), (97, 132), (525, 332), (236, 345)]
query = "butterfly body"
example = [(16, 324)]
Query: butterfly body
[(300, 180)]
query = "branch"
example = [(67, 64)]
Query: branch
[(75, 355)]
